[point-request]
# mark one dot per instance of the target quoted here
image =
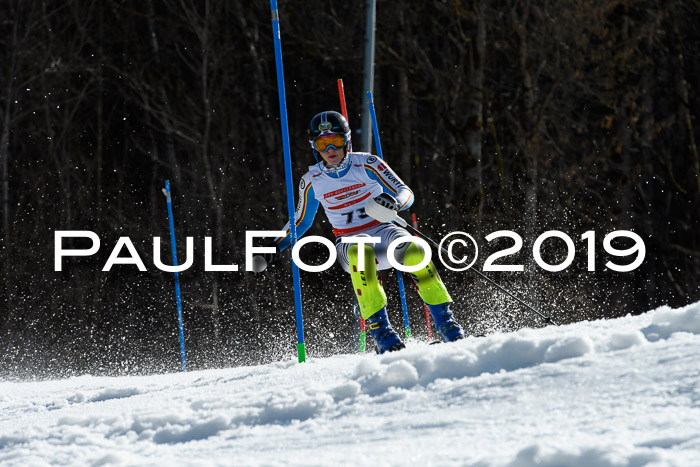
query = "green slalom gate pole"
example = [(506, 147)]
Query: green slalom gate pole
[(363, 334), (301, 346)]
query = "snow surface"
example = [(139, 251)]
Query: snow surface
[(622, 392)]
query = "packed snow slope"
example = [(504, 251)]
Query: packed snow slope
[(622, 392)]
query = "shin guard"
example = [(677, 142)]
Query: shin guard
[(427, 280), (370, 293)]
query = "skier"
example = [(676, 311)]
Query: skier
[(343, 182)]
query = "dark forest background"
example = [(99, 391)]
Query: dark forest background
[(521, 115)]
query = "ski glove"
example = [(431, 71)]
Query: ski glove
[(383, 208), (261, 261)]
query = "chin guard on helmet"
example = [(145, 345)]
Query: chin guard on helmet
[(334, 169)]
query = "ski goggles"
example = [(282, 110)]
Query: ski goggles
[(322, 143)]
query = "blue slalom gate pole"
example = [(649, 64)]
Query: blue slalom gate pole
[(399, 275), (177, 277), (301, 347)]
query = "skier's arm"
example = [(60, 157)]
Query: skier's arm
[(380, 171), (304, 215)]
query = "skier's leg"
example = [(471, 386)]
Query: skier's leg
[(370, 293), (427, 280), (372, 298), (434, 293)]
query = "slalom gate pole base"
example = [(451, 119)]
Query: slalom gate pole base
[(301, 352), (363, 341)]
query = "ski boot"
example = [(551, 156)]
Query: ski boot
[(445, 322), (385, 337)]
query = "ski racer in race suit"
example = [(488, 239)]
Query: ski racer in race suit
[(343, 182)]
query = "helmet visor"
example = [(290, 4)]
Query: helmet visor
[(336, 141)]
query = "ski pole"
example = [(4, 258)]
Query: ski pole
[(180, 326), (399, 275), (404, 224), (427, 311), (301, 346)]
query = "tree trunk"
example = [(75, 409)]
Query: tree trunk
[(163, 95), (529, 137), (475, 105), (404, 112)]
